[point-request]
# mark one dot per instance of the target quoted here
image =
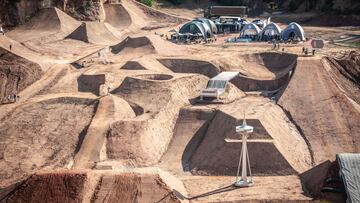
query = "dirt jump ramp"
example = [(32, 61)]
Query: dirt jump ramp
[(50, 24), (95, 33), (117, 16), (142, 140)]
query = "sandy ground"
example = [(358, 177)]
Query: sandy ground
[(108, 111)]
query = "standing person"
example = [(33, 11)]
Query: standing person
[(108, 90), (10, 47), (2, 30)]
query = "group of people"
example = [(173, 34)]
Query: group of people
[(306, 51), (13, 98)]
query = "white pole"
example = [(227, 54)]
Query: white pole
[(244, 159)]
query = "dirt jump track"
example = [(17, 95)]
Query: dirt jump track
[(110, 111)]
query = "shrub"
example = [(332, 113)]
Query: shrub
[(146, 2)]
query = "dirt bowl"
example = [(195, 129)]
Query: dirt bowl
[(155, 77)]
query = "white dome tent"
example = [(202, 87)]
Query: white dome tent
[(293, 31), (196, 27), (271, 31), (250, 31)]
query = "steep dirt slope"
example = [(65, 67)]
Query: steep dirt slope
[(345, 71), (16, 74), (326, 117), (44, 134)]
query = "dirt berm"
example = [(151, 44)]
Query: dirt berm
[(16, 74)]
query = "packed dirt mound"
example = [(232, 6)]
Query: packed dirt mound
[(190, 66), (133, 65), (95, 33), (209, 157), (49, 24), (42, 135), (129, 44), (16, 74), (50, 187), (117, 16), (323, 114), (91, 83), (345, 71), (143, 141), (133, 188)]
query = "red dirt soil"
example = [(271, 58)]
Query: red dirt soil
[(133, 188), (51, 187)]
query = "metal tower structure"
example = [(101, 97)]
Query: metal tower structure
[(244, 130)]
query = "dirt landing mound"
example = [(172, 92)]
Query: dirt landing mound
[(215, 156), (16, 74), (52, 187), (42, 135), (142, 140), (133, 188), (326, 117)]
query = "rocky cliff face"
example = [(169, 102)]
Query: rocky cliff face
[(14, 12)]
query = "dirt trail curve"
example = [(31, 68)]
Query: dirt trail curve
[(95, 136), (326, 117), (22, 51)]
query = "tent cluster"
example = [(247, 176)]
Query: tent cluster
[(272, 31), (257, 30), (199, 28)]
